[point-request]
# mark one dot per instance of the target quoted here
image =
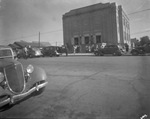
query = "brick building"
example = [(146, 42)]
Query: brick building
[(90, 26)]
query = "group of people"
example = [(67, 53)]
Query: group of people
[(24, 52)]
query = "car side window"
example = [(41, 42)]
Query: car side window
[(5, 53)]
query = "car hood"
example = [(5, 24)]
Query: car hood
[(7, 62)]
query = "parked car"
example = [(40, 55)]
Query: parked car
[(141, 50), (35, 52), (16, 82), (108, 49), (50, 51), (21, 54), (32, 52)]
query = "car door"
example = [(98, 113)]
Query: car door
[(109, 49), (114, 49), (106, 49)]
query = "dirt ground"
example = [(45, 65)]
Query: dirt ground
[(89, 87)]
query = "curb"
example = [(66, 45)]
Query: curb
[(88, 54)]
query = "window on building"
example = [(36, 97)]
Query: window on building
[(76, 41), (92, 39), (87, 40), (98, 39)]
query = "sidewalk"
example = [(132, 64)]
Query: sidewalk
[(78, 54), (89, 54)]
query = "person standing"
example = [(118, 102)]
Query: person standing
[(127, 47), (74, 49), (25, 52), (66, 50)]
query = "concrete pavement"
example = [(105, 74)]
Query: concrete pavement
[(89, 88)]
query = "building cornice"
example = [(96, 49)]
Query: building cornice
[(88, 9)]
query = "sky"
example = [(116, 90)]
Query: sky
[(26, 19)]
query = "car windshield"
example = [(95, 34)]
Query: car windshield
[(5, 53)]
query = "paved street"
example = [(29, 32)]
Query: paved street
[(89, 87)]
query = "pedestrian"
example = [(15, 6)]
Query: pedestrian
[(25, 52), (127, 47), (87, 48), (74, 49), (66, 50)]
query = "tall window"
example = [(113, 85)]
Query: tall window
[(87, 40), (76, 41), (92, 39), (98, 39)]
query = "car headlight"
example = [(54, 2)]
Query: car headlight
[(1, 77), (30, 69)]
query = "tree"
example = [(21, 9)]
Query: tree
[(144, 40)]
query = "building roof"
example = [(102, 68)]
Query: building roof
[(42, 44), (89, 8)]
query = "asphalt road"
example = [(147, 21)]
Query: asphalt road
[(89, 87)]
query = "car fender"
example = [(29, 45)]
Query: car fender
[(38, 74)]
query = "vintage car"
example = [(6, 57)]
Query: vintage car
[(141, 50), (38, 52), (17, 83), (109, 49), (50, 51)]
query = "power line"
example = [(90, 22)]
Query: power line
[(139, 11), (52, 31), (32, 35), (141, 32)]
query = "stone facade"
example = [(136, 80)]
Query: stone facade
[(89, 27)]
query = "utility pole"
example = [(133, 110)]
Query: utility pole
[(39, 39)]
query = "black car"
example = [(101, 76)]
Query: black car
[(109, 49), (50, 51), (16, 82), (141, 50)]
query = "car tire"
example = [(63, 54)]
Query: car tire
[(101, 54), (96, 54), (114, 54), (6, 107), (30, 56), (40, 91)]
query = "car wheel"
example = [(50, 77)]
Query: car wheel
[(114, 54), (96, 54), (30, 56), (51, 55), (101, 54), (6, 107), (40, 91)]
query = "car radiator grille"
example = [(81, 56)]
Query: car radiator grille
[(15, 78)]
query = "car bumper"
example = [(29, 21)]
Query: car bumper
[(15, 98)]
